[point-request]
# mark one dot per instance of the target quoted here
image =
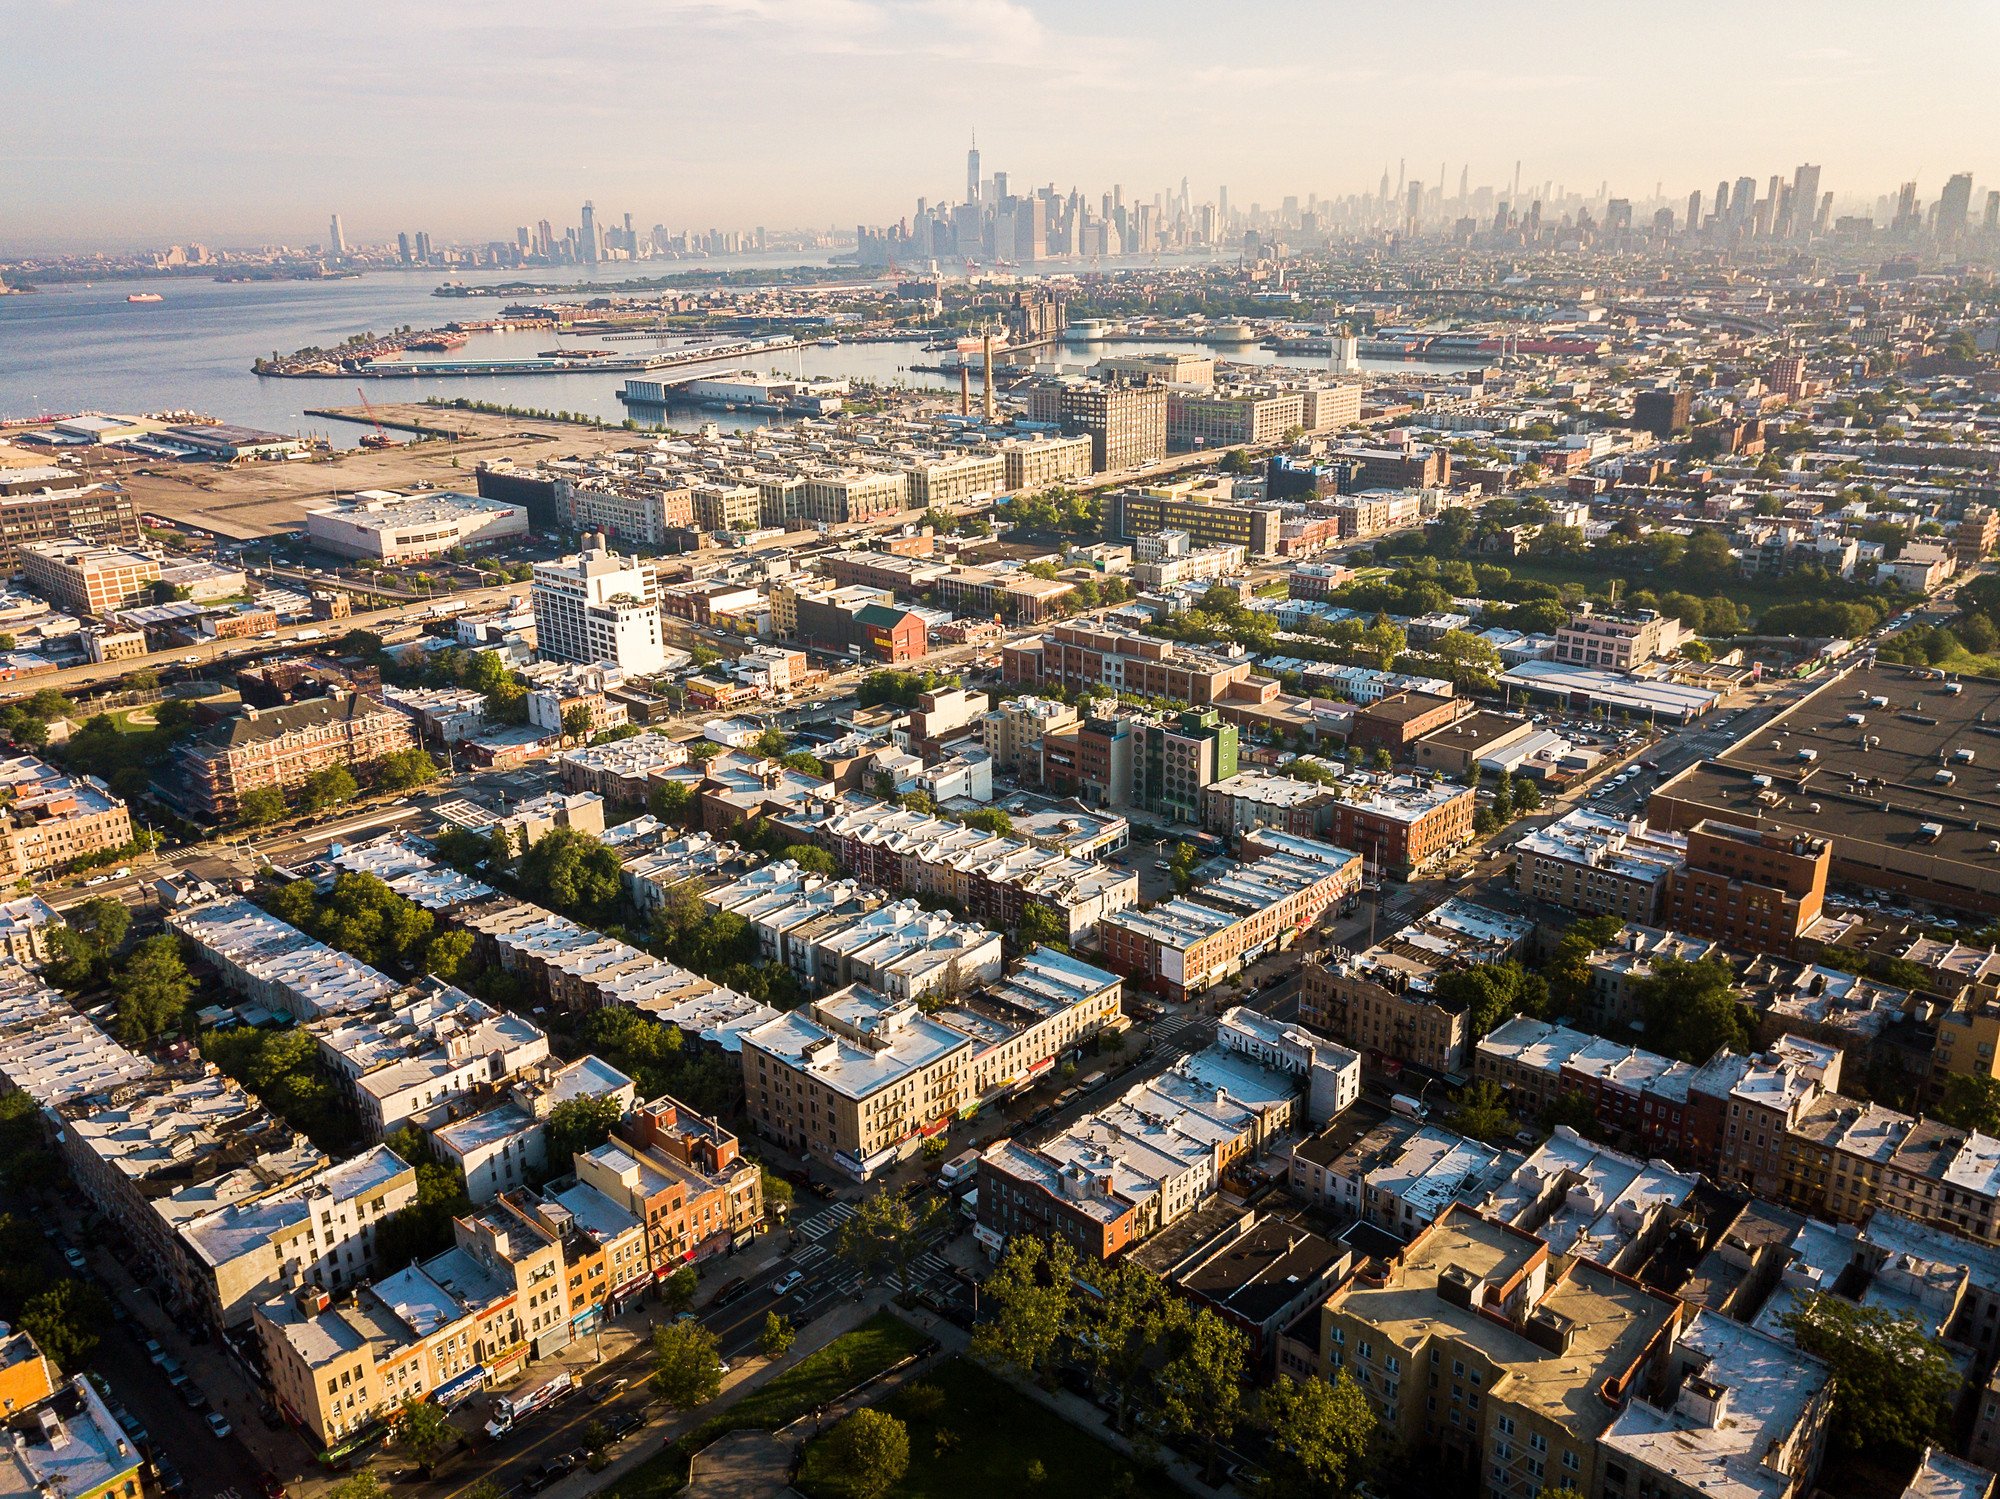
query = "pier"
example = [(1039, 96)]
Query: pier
[(576, 364)]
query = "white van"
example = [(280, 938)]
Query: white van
[(958, 1168)]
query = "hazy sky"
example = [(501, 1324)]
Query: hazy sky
[(233, 122)]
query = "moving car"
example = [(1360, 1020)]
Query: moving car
[(787, 1283)]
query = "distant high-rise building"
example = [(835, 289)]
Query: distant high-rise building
[(423, 247), (1805, 201), (1954, 206), (1992, 211), (403, 248), (972, 172), (1743, 200), (336, 238), (1416, 209), (588, 235), (1721, 202), (1694, 212)]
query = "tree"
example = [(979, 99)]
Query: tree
[(1491, 992), (65, 1321), (364, 1484), (576, 872), (1568, 970), (406, 769), (687, 1365), (449, 956), (777, 1191), (991, 820), (581, 1124), (261, 807), (331, 787), (152, 989), (1182, 866), (1573, 1108), (1481, 1111), (576, 722), (1031, 1295), (883, 1235), (1894, 1383), (669, 801), (1321, 1431), (678, 1289), (777, 1337), (424, 1432), (865, 1455), (1691, 1009), (811, 858), (1200, 1386), (1042, 927), (1970, 1103)]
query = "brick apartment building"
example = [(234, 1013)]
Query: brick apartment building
[(281, 747), (1757, 889), (1076, 656)]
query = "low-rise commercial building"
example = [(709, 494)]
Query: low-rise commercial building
[(86, 578), (406, 528)]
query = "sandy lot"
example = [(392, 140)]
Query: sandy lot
[(260, 499)]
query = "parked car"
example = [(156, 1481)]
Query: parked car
[(219, 1423), (155, 1352), (170, 1477), (76, 1261), (269, 1415), (543, 1474), (269, 1486), (623, 1425)]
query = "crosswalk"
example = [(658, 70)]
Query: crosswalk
[(823, 1223), (1189, 1033)]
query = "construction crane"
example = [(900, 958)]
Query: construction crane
[(380, 437)]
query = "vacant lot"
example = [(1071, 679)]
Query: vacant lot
[(260, 499)]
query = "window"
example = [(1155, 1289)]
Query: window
[(1506, 1425)]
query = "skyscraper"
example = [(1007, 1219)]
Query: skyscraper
[(1805, 201), (335, 238), (972, 171), (588, 237), (1954, 206), (1694, 212)]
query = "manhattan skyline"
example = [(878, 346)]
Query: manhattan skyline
[(251, 128)]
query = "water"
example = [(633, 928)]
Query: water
[(75, 347)]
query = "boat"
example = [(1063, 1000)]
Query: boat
[(145, 296), (826, 343)]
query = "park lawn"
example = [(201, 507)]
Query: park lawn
[(882, 1340), (992, 1433), (122, 719)]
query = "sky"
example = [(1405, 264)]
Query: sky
[(237, 122)]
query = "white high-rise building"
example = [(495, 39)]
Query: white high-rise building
[(598, 606), (337, 238)]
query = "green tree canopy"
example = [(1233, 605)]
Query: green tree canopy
[(152, 988), (1970, 1103), (332, 787), (1322, 1432), (1691, 1009), (575, 872), (1480, 1110), (865, 1455), (66, 1321), (687, 1364), (1893, 1382), (580, 1124)]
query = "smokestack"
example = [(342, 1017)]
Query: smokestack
[(986, 372), (964, 388)]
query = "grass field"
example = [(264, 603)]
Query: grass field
[(982, 1440), (872, 1347)]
